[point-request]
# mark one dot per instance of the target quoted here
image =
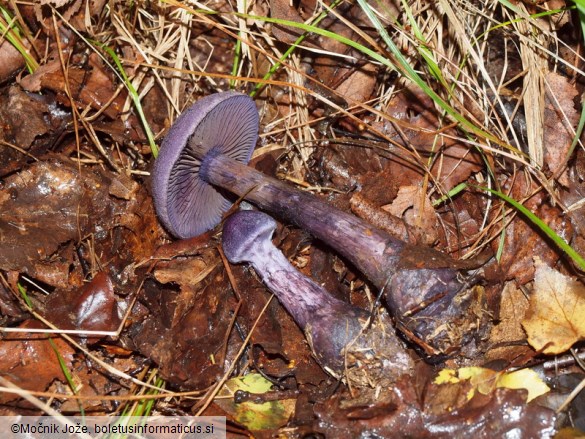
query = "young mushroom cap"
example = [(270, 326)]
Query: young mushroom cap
[(186, 204), (243, 233)]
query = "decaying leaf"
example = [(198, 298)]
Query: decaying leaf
[(556, 316), (486, 381), (43, 206), (417, 211), (92, 307), (264, 416), (505, 335), (30, 360), (484, 416), (560, 120), (521, 240)]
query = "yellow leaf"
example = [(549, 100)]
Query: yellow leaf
[(447, 376), (486, 380), (524, 379), (556, 315), (482, 379), (265, 416)]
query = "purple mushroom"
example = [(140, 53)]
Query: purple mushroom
[(203, 160), (222, 123), (330, 324)]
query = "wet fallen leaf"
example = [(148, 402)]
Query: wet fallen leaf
[(9, 307), (92, 307), (522, 241), (485, 380), (30, 361), (524, 379), (484, 416), (265, 416), (42, 207), (185, 331), (556, 316), (30, 121)]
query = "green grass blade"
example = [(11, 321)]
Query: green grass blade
[(454, 191), (237, 61), (133, 95), (560, 242), (24, 295), (406, 69), (402, 65), (67, 374), (10, 31), (423, 48), (292, 48)]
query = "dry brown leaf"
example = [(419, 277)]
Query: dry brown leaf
[(359, 85), (505, 335), (417, 211), (560, 120), (70, 7), (556, 315), (92, 87), (11, 61), (453, 161)]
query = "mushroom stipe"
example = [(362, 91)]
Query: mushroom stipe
[(205, 154), (336, 331)]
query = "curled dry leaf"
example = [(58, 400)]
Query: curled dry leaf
[(556, 316)]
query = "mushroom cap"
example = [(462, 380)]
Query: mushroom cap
[(244, 234), (185, 203)]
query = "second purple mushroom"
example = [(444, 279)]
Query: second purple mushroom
[(335, 330)]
